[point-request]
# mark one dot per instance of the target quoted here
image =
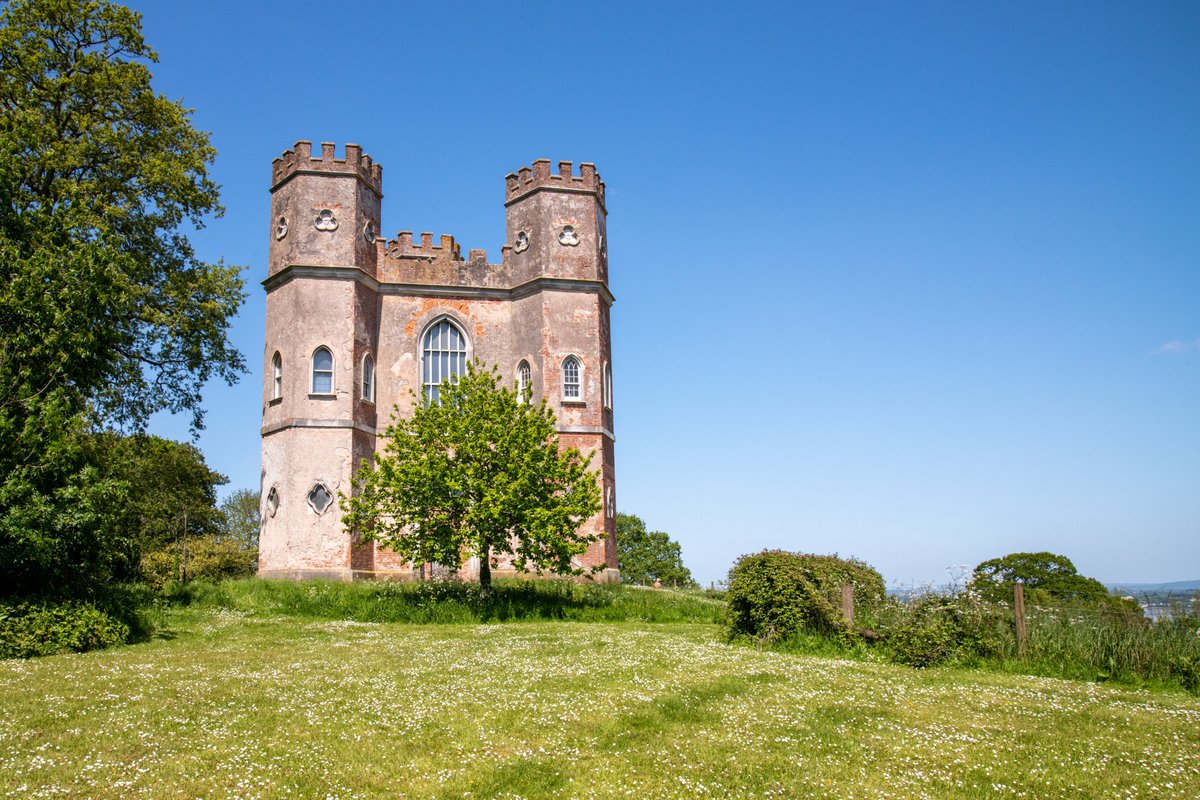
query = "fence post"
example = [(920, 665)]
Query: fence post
[(848, 605), (1019, 613)]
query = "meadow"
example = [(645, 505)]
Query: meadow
[(243, 699)]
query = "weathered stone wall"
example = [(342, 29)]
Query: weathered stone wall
[(333, 282)]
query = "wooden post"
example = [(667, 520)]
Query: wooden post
[(1019, 613), (848, 605)]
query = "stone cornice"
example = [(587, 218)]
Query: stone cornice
[(329, 272), (328, 173), (559, 189), (303, 422), (345, 424)]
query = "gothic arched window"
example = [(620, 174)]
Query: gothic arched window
[(443, 356), (368, 378), (322, 371), (276, 376), (524, 382), (572, 379)]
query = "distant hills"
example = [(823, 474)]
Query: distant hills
[(1174, 587)]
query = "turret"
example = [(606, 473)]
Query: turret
[(555, 222), (324, 211)]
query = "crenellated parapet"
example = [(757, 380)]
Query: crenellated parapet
[(299, 161), (527, 180), (403, 246)]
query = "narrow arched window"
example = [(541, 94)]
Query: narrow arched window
[(608, 398), (368, 379), (524, 382), (276, 376), (322, 371), (572, 383), (443, 357)]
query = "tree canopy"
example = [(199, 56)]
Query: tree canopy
[(646, 556), (479, 473), (1048, 576), (106, 313)]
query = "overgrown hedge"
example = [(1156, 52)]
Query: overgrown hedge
[(775, 594), (41, 629), (203, 558)]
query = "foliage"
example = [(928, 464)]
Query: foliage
[(645, 556), (775, 594), (172, 494), (106, 314), (1047, 577), (240, 517), (478, 473), (199, 558), (28, 629), (438, 601), (937, 629)]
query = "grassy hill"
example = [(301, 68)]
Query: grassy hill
[(233, 700)]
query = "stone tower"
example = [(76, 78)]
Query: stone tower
[(354, 322)]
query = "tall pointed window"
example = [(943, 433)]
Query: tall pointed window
[(607, 385), (368, 379), (524, 382), (322, 371), (276, 376), (572, 379), (443, 356)]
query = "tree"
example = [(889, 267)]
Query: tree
[(1047, 576), (106, 314), (478, 473), (646, 556), (241, 518)]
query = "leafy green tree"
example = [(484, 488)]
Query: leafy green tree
[(646, 556), (241, 517), (106, 314), (477, 474), (1047, 577), (172, 494)]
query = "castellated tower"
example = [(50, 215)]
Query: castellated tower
[(356, 323)]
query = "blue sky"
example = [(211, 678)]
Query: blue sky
[(913, 282)]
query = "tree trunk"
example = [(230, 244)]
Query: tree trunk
[(485, 569)]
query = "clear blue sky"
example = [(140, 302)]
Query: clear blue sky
[(913, 282)]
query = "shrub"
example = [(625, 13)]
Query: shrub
[(938, 629), (204, 558), (29, 629), (775, 594)]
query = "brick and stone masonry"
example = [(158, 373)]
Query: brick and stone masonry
[(343, 303)]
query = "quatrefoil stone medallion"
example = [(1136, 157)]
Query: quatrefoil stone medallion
[(568, 237), (281, 228), (369, 232), (522, 243)]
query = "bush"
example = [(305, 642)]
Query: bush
[(29, 629), (775, 594), (939, 629), (203, 558)]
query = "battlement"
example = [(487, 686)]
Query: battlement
[(527, 179), (300, 160), (403, 246)]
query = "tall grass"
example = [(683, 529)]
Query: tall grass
[(452, 602), (1092, 643), (1080, 642)]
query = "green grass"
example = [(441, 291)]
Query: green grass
[(237, 703), (453, 602)]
